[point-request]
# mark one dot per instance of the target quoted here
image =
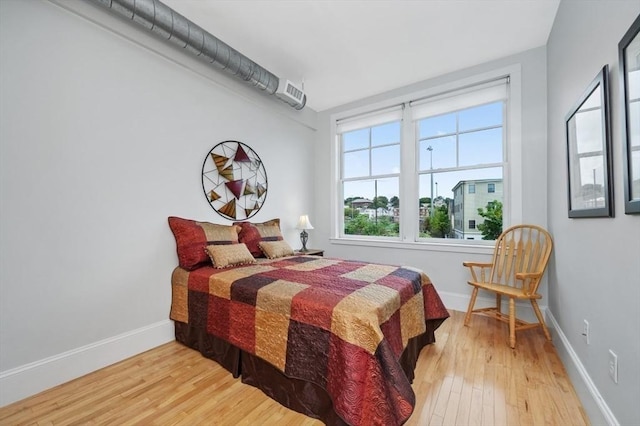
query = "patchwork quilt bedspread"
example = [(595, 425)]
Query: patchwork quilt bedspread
[(340, 324)]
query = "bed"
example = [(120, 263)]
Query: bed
[(337, 340)]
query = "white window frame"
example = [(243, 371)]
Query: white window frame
[(376, 118), (512, 171)]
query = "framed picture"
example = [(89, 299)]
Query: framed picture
[(629, 65), (589, 151)]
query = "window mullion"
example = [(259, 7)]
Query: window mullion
[(457, 140), (408, 179), (370, 153)]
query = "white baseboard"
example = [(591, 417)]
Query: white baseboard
[(32, 378), (460, 302), (591, 399)]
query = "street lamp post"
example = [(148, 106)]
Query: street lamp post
[(430, 149)]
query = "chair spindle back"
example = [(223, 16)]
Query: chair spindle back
[(521, 248)]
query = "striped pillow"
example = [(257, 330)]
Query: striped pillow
[(252, 234), (193, 237)]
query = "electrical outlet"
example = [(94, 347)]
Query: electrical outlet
[(585, 332), (613, 366)]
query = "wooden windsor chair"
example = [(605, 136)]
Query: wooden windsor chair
[(519, 260)]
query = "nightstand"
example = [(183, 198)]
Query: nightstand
[(311, 252)]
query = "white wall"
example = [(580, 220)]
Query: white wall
[(102, 138), (595, 270), (445, 267)]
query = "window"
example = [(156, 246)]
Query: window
[(460, 143), (370, 177), (433, 155)]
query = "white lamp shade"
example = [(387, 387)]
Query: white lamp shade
[(303, 222)]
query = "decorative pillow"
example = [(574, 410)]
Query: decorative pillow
[(192, 237), (252, 234), (276, 249), (233, 255)]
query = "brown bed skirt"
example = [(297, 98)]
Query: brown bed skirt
[(299, 395)]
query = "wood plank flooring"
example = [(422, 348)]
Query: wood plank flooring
[(470, 376)]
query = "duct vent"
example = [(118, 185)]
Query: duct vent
[(155, 16), (290, 93)]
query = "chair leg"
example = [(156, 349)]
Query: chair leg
[(512, 322), (499, 303), (471, 303), (536, 309)]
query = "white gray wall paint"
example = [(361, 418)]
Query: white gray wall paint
[(101, 140), (595, 270), (445, 268)]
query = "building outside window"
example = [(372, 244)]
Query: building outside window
[(467, 206), (472, 189), (491, 187)]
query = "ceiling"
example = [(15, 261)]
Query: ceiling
[(347, 50)]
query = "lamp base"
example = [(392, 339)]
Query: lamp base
[(304, 237)]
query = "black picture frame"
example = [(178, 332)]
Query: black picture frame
[(588, 133), (629, 68)]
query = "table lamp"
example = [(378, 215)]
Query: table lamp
[(304, 224)]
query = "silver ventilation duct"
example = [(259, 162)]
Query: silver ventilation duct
[(170, 25)]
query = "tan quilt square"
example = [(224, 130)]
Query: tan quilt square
[(359, 328), (313, 265), (220, 283), (272, 330), (357, 318), (370, 273), (276, 297), (180, 295), (412, 322)]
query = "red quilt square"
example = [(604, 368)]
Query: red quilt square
[(374, 390), (218, 317), (400, 284), (433, 306), (348, 386), (333, 284), (393, 333), (314, 306), (199, 279), (342, 268), (242, 320)]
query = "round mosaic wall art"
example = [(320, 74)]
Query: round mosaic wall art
[(234, 180)]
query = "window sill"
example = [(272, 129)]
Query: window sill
[(444, 245)]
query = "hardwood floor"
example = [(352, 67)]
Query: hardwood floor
[(470, 376)]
